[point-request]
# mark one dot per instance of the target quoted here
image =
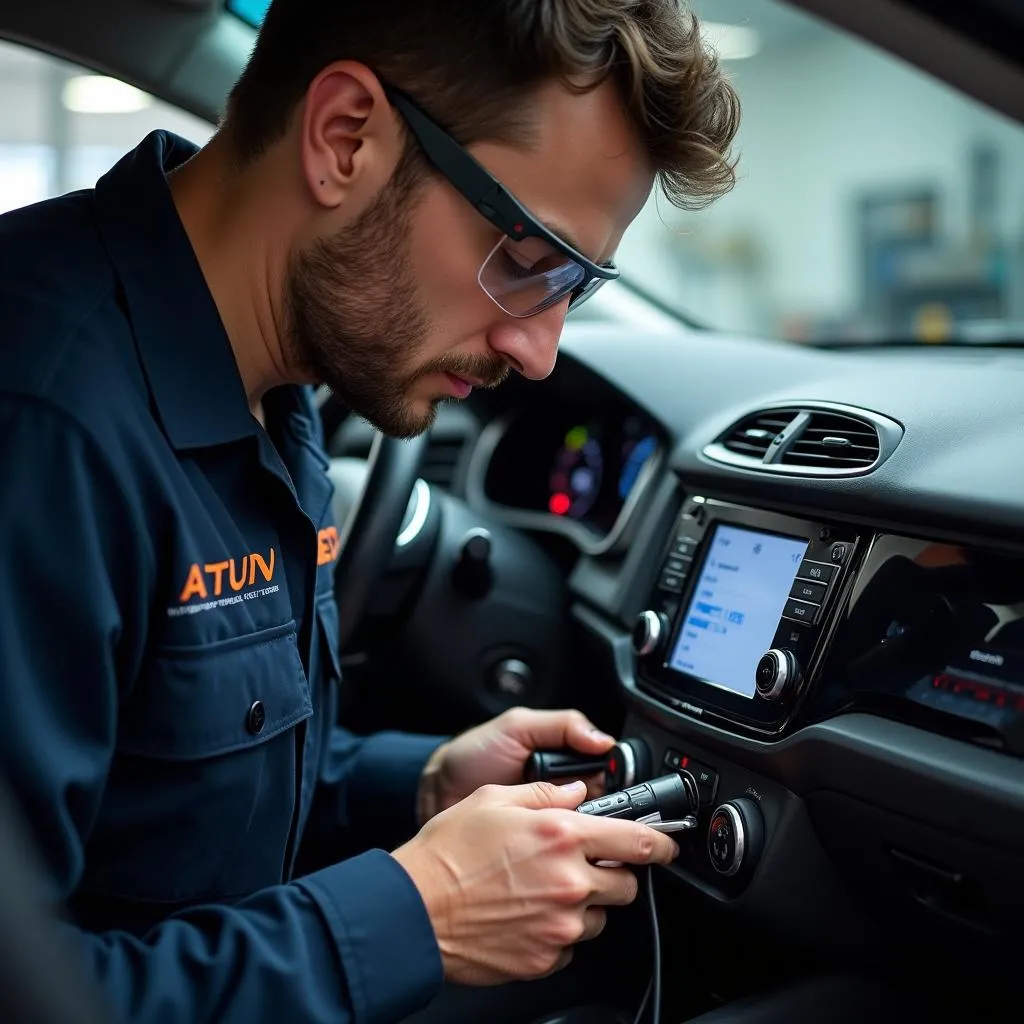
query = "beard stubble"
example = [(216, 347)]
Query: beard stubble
[(355, 319)]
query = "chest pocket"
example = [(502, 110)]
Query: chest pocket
[(202, 789)]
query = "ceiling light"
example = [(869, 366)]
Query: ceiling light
[(732, 42), (96, 94)]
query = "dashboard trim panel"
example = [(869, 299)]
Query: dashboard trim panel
[(585, 539)]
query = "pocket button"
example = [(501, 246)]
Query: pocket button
[(256, 718)]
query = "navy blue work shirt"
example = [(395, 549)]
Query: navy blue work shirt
[(168, 640)]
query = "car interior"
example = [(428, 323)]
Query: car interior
[(764, 522)]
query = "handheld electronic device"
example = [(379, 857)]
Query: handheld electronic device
[(667, 804)]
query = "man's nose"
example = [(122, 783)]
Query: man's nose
[(530, 345)]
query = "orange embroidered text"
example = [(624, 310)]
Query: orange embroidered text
[(327, 545), (232, 574)]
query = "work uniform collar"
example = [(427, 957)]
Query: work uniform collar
[(185, 352)]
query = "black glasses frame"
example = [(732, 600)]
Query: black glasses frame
[(489, 197)]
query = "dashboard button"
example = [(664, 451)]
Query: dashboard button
[(688, 529), (672, 760), (793, 637), (838, 553), (802, 611), (807, 590), (671, 581), (706, 781), (820, 572), (681, 566), (682, 547)]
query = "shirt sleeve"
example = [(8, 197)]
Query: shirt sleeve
[(369, 786), (73, 611), (276, 955)]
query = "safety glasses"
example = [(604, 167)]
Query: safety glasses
[(530, 269)]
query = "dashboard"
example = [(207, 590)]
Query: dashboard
[(580, 471), (813, 596)]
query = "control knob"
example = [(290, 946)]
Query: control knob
[(735, 836), (777, 673), (626, 764), (649, 631)]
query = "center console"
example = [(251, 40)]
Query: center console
[(742, 613), (848, 698), (809, 647)]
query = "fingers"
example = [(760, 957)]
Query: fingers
[(613, 887), (538, 795), (563, 961), (594, 920), (626, 841), (553, 730)]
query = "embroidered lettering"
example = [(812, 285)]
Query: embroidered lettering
[(327, 545), (208, 578)]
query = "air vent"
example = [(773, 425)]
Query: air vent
[(831, 441), (752, 437), (813, 439)]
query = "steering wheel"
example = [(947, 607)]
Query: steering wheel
[(370, 528)]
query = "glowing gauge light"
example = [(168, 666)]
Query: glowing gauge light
[(560, 503), (575, 479), (636, 454)]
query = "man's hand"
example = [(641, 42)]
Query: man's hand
[(495, 752), (509, 880)]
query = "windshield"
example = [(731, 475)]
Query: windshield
[(874, 203)]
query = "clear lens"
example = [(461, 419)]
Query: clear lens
[(526, 277)]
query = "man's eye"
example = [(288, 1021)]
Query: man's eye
[(513, 267)]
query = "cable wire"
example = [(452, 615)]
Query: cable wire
[(653, 993)]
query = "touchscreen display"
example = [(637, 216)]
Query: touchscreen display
[(736, 606)]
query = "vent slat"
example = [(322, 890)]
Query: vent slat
[(815, 457), (744, 446), (839, 451), (835, 442), (838, 432), (753, 436)]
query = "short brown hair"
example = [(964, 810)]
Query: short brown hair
[(470, 63)]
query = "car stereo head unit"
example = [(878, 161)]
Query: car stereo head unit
[(741, 612)]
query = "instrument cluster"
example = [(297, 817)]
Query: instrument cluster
[(576, 471)]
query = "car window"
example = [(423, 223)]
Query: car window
[(874, 203), (61, 127)]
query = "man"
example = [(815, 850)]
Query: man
[(168, 633)]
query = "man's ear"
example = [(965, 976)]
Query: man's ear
[(350, 138)]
